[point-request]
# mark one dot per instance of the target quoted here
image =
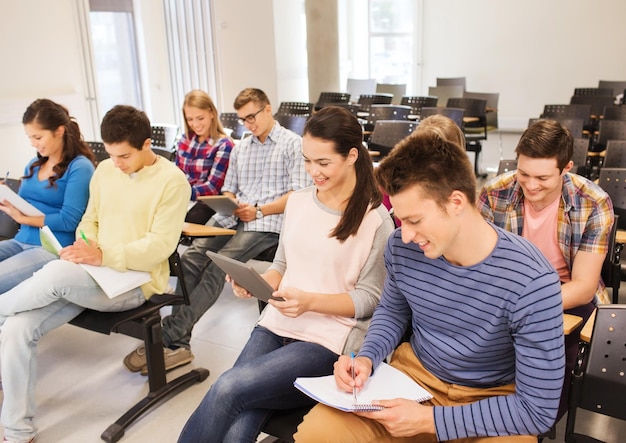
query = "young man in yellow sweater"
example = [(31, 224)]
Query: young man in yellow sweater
[(133, 220)]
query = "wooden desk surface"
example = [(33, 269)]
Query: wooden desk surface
[(585, 332), (620, 236), (570, 322), (196, 230)]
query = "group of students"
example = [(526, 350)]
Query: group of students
[(481, 283)]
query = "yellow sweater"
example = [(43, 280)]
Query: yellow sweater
[(137, 219)]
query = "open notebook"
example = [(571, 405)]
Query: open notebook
[(111, 281), (387, 383)]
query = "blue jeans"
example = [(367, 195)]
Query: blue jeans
[(18, 261), (205, 281), (55, 294), (261, 381)]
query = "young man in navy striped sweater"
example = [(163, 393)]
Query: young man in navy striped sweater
[(484, 307)]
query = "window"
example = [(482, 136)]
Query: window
[(380, 41), (391, 40), (114, 50)]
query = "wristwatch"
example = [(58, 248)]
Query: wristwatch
[(259, 213)]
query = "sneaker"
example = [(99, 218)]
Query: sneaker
[(173, 359), (136, 360)]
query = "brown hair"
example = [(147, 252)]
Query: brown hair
[(50, 116), (547, 139), (250, 95), (126, 124), (201, 100), (339, 126), (426, 159)]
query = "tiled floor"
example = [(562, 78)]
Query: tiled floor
[(83, 386)]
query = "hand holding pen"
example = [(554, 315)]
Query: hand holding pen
[(352, 372), (83, 251), (354, 399)]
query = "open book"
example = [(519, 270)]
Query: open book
[(222, 204), (112, 282), (387, 383), (22, 205)]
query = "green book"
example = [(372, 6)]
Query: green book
[(49, 241)]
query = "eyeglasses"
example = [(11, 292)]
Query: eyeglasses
[(250, 118)]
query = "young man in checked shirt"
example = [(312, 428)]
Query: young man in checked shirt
[(566, 216), (264, 169)]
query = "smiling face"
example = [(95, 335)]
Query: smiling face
[(424, 221), (258, 118), (47, 143), (199, 120), (329, 170), (540, 179)]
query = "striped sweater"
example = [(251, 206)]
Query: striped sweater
[(490, 324)]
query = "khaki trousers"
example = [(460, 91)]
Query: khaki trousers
[(325, 424)]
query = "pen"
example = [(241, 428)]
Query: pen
[(84, 237), (354, 387), (6, 177)]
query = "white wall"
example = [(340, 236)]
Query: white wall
[(291, 53), (41, 58), (533, 52), (243, 33)]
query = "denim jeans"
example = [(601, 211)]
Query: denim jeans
[(205, 281), (18, 261), (54, 295), (242, 399)]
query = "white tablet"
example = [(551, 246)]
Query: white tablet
[(245, 276), (222, 204)]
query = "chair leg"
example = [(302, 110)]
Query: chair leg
[(153, 342), (476, 147), (159, 389), (116, 431)]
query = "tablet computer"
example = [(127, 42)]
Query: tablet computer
[(245, 276), (222, 204)]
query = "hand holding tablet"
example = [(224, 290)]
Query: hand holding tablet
[(222, 204), (245, 276)]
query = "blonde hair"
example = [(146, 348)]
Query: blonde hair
[(201, 100), (444, 127)]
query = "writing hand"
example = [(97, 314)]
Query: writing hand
[(343, 372), (82, 253)]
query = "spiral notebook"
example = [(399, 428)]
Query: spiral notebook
[(387, 383)]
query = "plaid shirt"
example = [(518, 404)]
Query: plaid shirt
[(261, 173), (204, 163), (585, 215)]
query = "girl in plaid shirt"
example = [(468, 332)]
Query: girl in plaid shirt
[(203, 152)]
